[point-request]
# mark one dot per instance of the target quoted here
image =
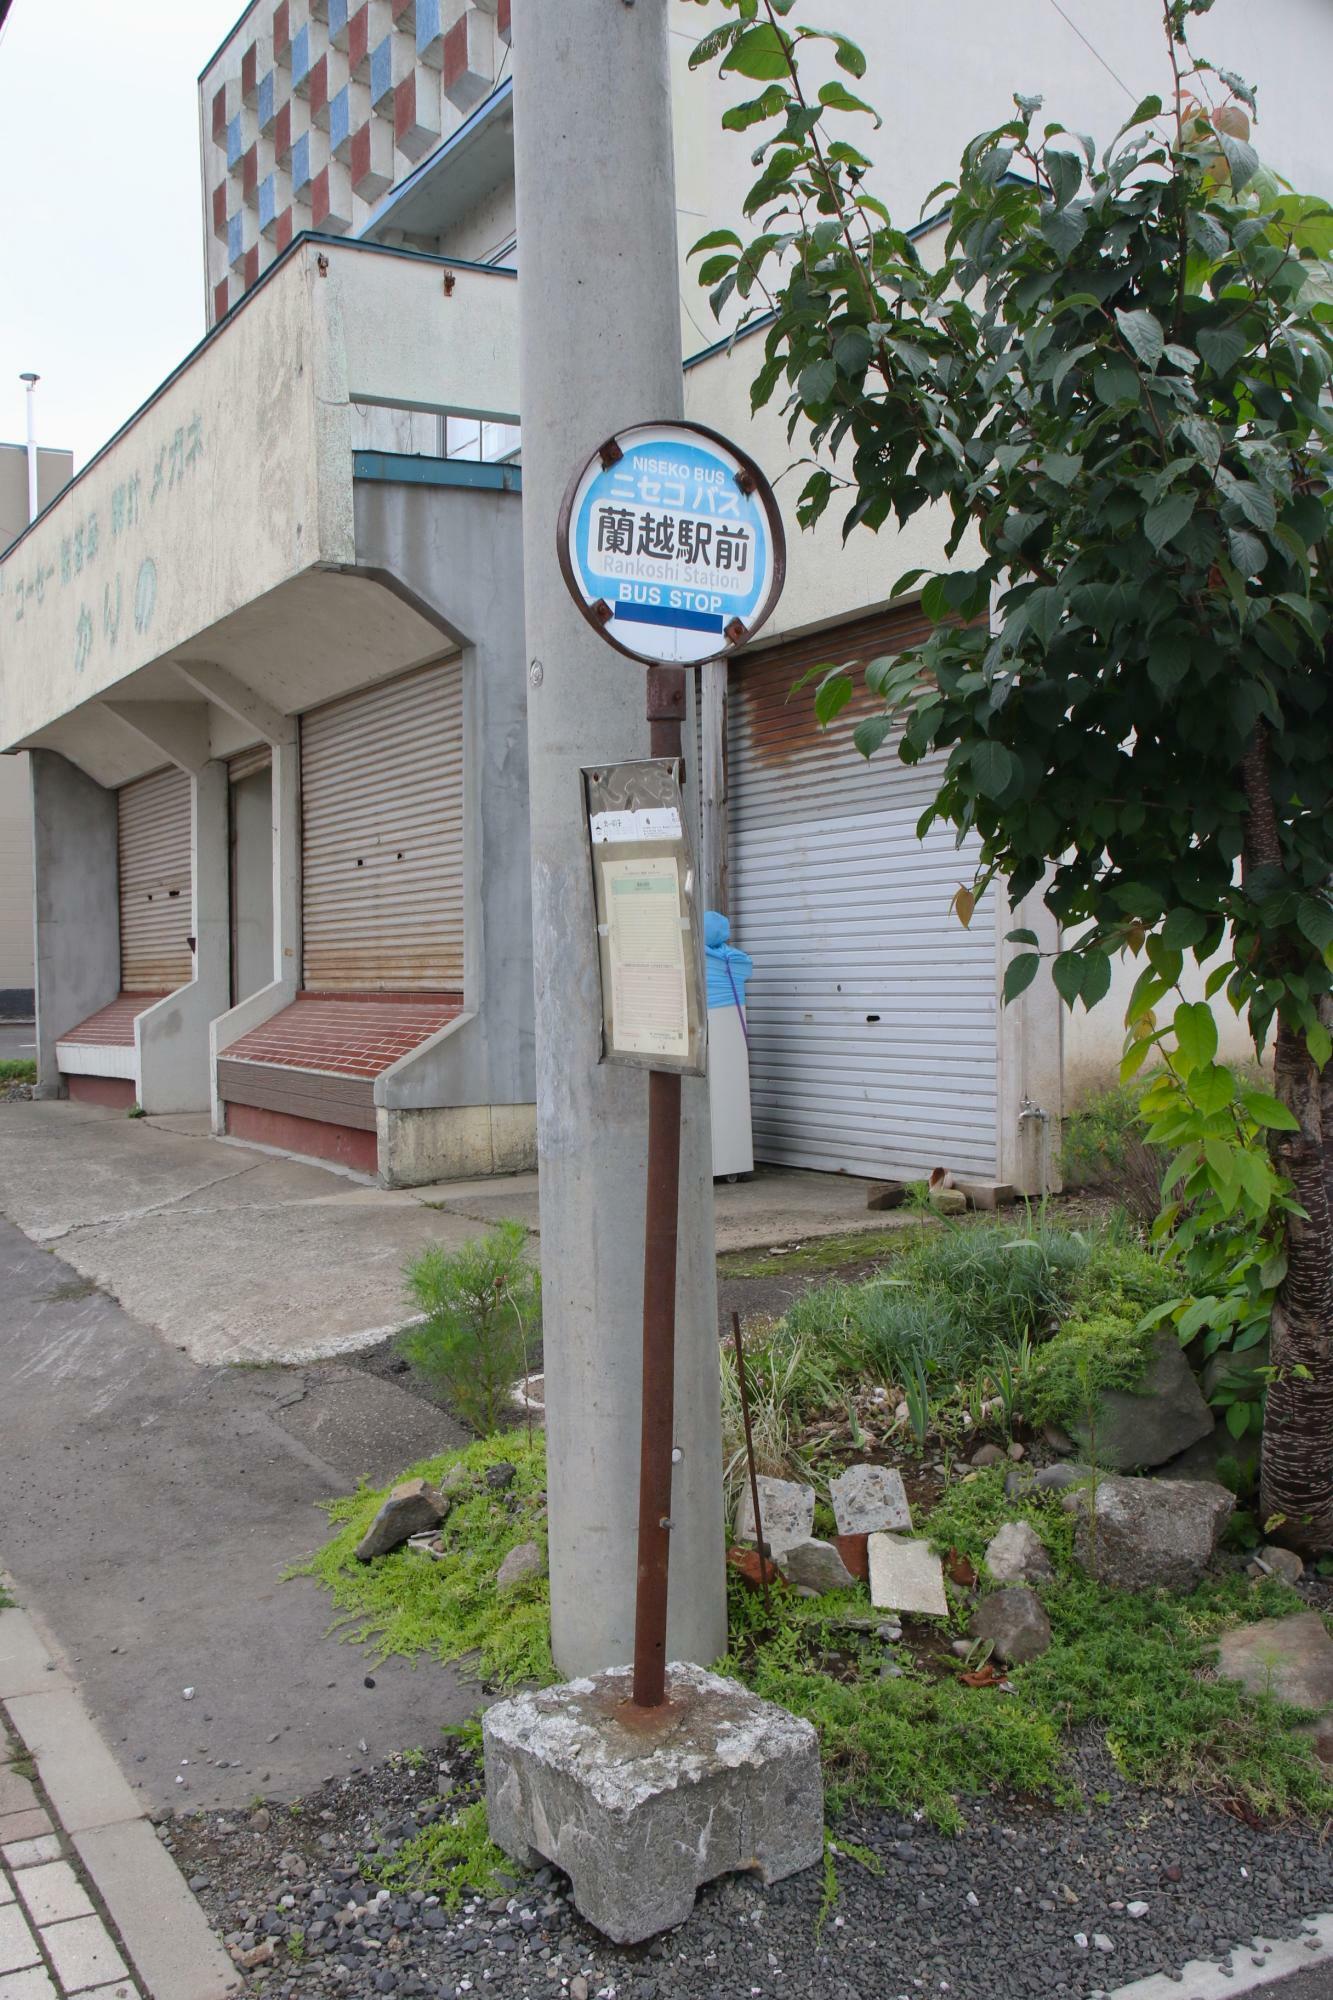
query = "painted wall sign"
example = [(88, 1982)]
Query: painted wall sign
[(671, 544)]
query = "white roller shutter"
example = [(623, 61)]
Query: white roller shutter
[(156, 901), (872, 1011), (382, 813)]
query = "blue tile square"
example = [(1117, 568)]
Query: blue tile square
[(381, 70), (301, 55), (428, 24), (234, 146), (235, 238), (301, 161), (340, 118), (267, 106)]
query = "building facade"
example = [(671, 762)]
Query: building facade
[(16, 948), (267, 652)]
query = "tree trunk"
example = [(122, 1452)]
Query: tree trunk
[(1297, 1466), (1296, 1474)]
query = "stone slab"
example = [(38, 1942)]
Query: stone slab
[(869, 1500), (82, 1778), (18, 1946), (1139, 1534), (787, 1514), (83, 1954), (53, 1893), (906, 1576), (640, 1809), (34, 1984), (1291, 1658), (25, 1664), (165, 1931)]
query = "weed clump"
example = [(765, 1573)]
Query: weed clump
[(480, 1306)]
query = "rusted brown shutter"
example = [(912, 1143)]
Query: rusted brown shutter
[(156, 901), (872, 1012), (382, 806)]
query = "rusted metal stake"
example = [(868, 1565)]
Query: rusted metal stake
[(744, 1387), (666, 709)]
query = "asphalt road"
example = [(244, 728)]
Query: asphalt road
[(149, 1507)]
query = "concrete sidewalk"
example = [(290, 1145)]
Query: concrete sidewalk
[(233, 1254)]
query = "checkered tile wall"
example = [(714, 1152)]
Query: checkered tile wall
[(315, 109)]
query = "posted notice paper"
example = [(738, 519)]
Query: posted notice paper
[(646, 946)]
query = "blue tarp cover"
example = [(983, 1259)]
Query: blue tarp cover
[(727, 968)]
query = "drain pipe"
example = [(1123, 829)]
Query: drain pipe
[(1029, 1115), (32, 381)]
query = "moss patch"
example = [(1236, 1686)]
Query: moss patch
[(406, 1605), (824, 1253)]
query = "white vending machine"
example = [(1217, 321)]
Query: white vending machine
[(728, 1050)]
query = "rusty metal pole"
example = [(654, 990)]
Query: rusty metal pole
[(666, 709)]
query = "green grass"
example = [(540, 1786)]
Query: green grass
[(404, 1605), (17, 1069), (451, 1859), (1136, 1665), (824, 1253), (6, 1601)]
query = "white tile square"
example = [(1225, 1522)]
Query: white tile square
[(122, 1990), (18, 1946), (28, 1825), (34, 1984), (6, 1889), (53, 1893), (83, 1954), (29, 1853)]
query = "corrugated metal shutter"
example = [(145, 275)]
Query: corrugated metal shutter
[(246, 762), (872, 1011), (156, 902), (382, 803)]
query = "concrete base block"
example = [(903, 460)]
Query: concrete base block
[(641, 1807)]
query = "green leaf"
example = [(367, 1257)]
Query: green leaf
[(832, 696), (1183, 928), (1221, 347), (1241, 158), (1019, 974), (994, 768), (1270, 1112), (935, 599), (759, 53), (1195, 1031), (847, 55), (1143, 332), (1314, 919), (1067, 971), (815, 383), (716, 239), (1213, 1087), (1115, 382), (835, 96), (1164, 521), (1238, 1420), (871, 732), (1096, 977)]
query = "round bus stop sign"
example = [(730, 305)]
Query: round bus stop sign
[(671, 543)]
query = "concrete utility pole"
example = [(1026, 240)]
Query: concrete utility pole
[(600, 350)]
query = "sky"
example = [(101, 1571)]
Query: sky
[(101, 228)]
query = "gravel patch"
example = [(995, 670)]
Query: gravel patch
[(1025, 1902)]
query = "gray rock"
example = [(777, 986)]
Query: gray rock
[(1059, 1478), (948, 1201), (886, 1194), (528, 1559), (1164, 1416), (640, 1819), (987, 1454), (1015, 1624), (816, 1566), (870, 1499), (1017, 1554), (1210, 1457), (1282, 1562), (906, 1576), (1058, 1440), (412, 1508), (1134, 1534), (1291, 1658), (787, 1512)]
